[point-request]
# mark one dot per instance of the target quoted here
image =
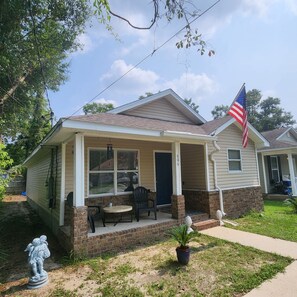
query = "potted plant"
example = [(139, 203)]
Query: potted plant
[(183, 236)]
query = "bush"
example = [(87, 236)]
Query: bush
[(292, 202), (5, 161)]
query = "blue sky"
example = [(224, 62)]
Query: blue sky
[(255, 42)]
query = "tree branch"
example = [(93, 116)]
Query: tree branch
[(156, 13)]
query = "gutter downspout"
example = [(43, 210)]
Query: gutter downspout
[(220, 213)]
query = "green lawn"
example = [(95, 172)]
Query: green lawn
[(276, 221)]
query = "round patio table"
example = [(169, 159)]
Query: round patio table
[(117, 211)]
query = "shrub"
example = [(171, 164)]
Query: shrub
[(5, 161)]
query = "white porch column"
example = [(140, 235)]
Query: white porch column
[(79, 176), (206, 166), (62, 189), (292, 174), (176, 169), (264, 173)]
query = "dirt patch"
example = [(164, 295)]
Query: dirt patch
[(19, 225)]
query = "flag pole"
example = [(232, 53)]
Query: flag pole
[(243, 85)]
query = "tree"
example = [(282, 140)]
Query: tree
[(219, 111), (192, 104), (5, 162), (93, 108), (170, 10), (35, 38), (264, 114), (147, 94)]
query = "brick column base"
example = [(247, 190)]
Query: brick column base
[(79, 230), (178, 207)]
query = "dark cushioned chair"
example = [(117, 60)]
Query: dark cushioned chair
[(142, 202)]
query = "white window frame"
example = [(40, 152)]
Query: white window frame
[(114, 171), (275, 169), (234, 160)]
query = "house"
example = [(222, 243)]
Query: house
[(277, 163), (158, 142)]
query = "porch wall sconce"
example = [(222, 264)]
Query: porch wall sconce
[(109, 151)]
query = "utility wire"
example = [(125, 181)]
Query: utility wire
[(146, 57)]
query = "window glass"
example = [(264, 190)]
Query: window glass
[(234, 160), (127, 181), (98, 161), (234, 154), (127, 160), (100, 183)]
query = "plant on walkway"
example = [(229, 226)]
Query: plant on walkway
[(292, 202)]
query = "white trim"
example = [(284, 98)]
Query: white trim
[(236, 160), (62, 187), (206, 164), (176, 100), (235, 188), (292, 174), (279, 151), (286, 131), (114, 171), (257, 165), (264, 174), (261, 139), (176, 169), (187, 135), (79, 180)]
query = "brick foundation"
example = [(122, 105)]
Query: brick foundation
[(237, 202), (178, 207)]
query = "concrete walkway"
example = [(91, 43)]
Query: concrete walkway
[(283, 284)]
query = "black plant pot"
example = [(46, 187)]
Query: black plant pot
[(183, 255)]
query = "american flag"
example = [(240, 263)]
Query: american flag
[(239, 113)]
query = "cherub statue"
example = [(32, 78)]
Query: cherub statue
[(38, 252)]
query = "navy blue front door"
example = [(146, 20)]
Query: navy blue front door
[(163, 178)]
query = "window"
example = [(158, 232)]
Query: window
[(112, 176), (274, 169), (234, 160)]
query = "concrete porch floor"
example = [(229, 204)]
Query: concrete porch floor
[(144, 221)]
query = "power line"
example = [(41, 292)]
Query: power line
[(146, 57)]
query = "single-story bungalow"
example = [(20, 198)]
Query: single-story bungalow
[(277, 163), (189, 165)]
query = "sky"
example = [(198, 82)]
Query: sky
[(255, 43)]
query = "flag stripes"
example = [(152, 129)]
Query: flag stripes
[(238, 112)]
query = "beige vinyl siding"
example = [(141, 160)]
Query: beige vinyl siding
[(193, 166), (231, 138), (146, 159), (161, 110), (37, 175)]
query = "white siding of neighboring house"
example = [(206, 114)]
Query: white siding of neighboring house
[(160, 109), (193, 166), (37, 191), (288, 137), (231, 138)]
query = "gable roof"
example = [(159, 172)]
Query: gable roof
[(275, 138), (169, 95), (216, 126)]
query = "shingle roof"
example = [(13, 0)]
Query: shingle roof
[(138, 122), (272, 136), (213, 125)]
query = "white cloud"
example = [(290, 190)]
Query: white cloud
[(134, 81), (191, 85), (106, 101), (86, 43), (292, 5)]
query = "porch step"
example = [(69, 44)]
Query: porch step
[(198, 217), (206, 224)]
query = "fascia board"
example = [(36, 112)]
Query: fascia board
[(279, 151), (187, 135), (87, 126)]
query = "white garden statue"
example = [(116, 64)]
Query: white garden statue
[(38, 252), (189, 222)]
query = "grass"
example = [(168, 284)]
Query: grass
[(217, 268), (277, 221)]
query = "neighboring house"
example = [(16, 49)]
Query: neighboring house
[(158, 142), (277, 163)]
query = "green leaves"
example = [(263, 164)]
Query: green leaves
[(292, 202), (181, 235)]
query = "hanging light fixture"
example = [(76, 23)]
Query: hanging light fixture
[(109, 151)]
